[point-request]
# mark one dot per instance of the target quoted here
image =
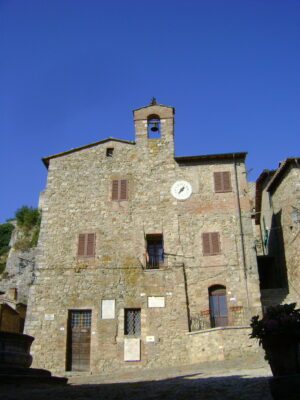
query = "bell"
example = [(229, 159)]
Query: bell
[(154, 127)]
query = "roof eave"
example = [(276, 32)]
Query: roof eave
[(152, 105), (205, 157), (47, 159), (280, 172)]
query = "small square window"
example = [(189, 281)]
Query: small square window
[(109, 152)]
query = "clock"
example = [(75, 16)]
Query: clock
[(181, 190)]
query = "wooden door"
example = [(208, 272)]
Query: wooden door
[(218, 306), (79, 340)]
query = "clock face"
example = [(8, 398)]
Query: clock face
[(181, 190)]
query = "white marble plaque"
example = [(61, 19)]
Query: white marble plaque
[(150, 339), (156, 302), (49, 317), (132, 349), (108, 309)]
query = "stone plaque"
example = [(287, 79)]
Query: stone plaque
[(132, 349), (108, 309), (156, 302), (49, 317)]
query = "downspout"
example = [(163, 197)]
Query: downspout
[(241, 230), (186, 297)]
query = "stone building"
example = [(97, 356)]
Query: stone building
[(144, 259), (12, 312), (277, 219)]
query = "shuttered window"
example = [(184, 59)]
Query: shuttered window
[(222, 182), (211, 243), (86, 245), (119, 189)]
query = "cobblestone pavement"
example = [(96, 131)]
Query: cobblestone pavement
[(234, 380)]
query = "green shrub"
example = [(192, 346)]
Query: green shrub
[(23, 243), (5, 234), (4, 250), (35, 237), (27, 217), (2, 267)]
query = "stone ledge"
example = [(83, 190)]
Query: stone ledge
[(219, 328)]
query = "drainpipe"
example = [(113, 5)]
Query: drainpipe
[(241, 230), (186, 297)]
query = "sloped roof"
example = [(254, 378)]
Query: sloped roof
[(279, 174), (87, 146), (207, 157), (151, 105), (258, 191)]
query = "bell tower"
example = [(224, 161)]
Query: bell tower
[(154, 128)]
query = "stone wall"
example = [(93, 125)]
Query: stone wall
[(283, 198), (279, 249), (78, 199), (221, 344), (19, 270)]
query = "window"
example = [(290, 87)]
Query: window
[(153, 123), (119, 189), (86, 245), (155, 251), (109, 152), (222, 182), (211, 243), (132, 321), (80, 318)]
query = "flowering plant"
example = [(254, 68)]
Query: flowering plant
[(278, 320)]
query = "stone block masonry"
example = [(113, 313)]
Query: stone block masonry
[(120, 257)]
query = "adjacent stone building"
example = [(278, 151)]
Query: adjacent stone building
[(277, 219), (144, 259)]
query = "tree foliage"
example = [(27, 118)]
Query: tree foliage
[(27, 217), (5, 235)]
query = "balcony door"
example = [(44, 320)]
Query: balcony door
[(218, 306)]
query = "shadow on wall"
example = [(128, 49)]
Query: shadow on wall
[(272, 267)]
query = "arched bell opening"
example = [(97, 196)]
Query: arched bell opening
[(153, 125)]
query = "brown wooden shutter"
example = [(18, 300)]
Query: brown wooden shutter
[(226, 181), (206, 243), (81, 245), (123, 189), (215, 243), (218, 181), (222, 182), (115, 190), (90, 244), (211, 243)]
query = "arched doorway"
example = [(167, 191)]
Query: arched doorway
[(218, 306)]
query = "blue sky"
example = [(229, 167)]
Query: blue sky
[(71, 71)]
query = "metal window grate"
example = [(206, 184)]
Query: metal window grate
[(132, 322), (81, 318)]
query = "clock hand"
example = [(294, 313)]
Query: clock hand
[(181, 189)]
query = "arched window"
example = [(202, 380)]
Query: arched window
[(218, 306), (153, 123)]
